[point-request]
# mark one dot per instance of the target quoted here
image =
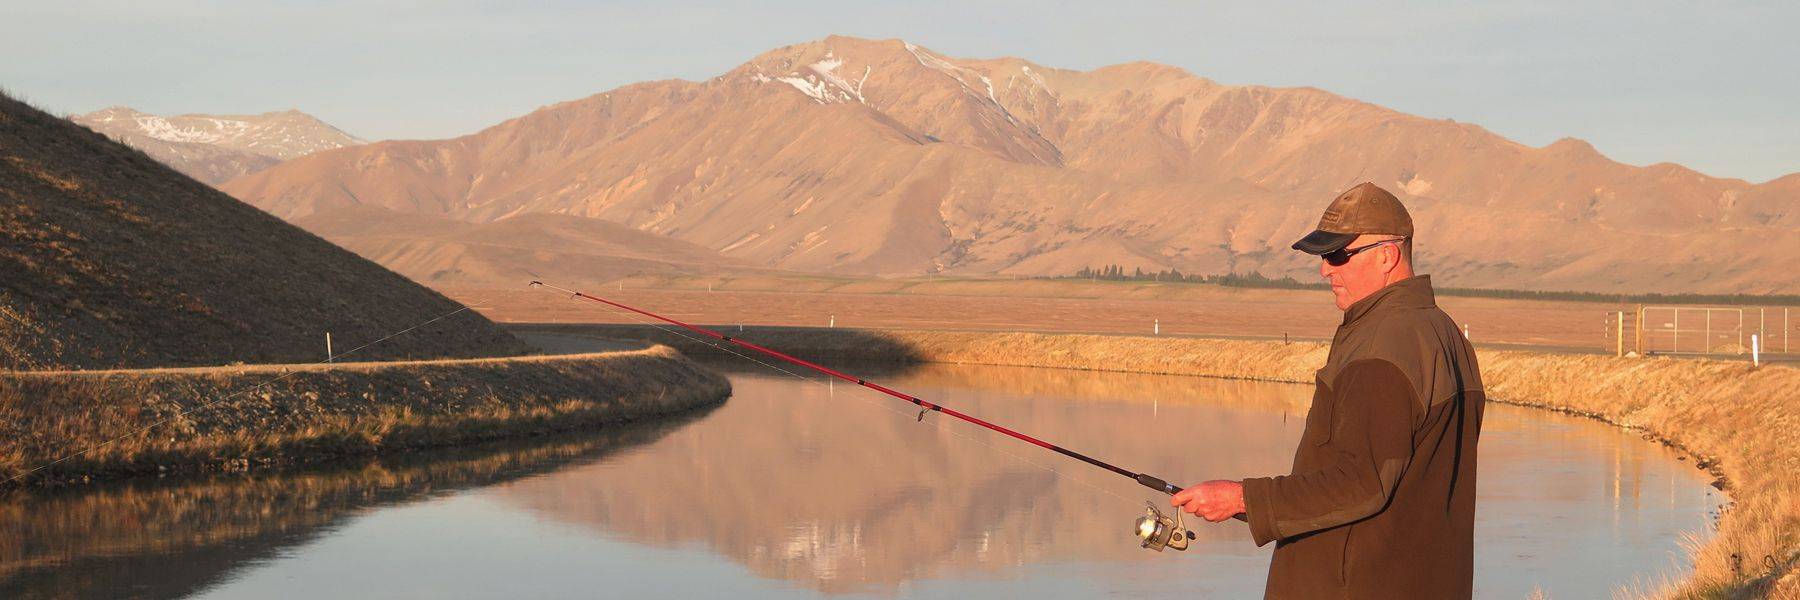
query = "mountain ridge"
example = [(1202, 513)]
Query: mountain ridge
[(217, 148), (880, 157)]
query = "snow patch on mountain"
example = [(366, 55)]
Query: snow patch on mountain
[(823, 84), (961, 74), (280, 135)]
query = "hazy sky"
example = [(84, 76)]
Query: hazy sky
[(1711, 85)]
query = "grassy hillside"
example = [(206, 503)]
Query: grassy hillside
[(109, 259)]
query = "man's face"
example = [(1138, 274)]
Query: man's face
[(1366, 271)]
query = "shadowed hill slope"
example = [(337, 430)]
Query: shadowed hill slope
[(109, 259)]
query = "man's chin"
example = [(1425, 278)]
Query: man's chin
[(1341, 297)]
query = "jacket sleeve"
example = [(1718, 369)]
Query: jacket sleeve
[(1373, 418)]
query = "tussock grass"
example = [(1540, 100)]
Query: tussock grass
[(1741, 423), (111, 259), (234, 418)]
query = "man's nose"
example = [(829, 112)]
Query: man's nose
[(1324, 269)]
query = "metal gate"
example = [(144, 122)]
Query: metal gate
[(1712, 329)]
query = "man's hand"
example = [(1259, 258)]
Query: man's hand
[(1215, 500)]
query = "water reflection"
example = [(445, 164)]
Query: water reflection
[(819, 486), (794, 488), (170, 538)]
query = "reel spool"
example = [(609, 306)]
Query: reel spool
[(1158, 531)]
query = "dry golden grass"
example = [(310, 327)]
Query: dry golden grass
[(1742, 423), (232, 418)]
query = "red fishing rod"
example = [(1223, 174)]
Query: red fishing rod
[(1156, 530)]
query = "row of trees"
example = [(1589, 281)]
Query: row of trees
[(1251, 279), (1254, 279)]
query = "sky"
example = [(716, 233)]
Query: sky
[(1710, 85)]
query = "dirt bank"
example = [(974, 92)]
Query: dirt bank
[(160, 420), (1739, 422)]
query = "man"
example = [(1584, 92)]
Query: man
[(1381, 499)]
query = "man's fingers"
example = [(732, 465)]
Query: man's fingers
[(1183, 496), (1193, 507)]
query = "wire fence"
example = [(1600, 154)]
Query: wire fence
[(1704, 329)]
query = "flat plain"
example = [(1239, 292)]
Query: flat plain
[(1040, 305)]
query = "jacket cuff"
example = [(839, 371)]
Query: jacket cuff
[(1259, 509)]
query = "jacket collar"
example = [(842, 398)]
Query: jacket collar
[(1412, 292)]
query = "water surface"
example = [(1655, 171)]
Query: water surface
[(795, 488)]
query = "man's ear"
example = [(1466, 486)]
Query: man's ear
[(1390, 261)]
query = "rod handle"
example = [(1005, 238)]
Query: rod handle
[(1155, 483)]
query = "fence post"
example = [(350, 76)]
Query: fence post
[(1755, 352), (1619, 342), (1707, 346), (1639, 344)]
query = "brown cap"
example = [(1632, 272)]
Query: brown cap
[(1363, 209)]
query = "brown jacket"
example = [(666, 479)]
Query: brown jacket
[(1381, 500)]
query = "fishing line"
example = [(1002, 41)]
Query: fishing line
[(871, 401), (186, 411), (1143, 479)]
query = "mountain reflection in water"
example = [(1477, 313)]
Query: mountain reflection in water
[(819, 486), (797, 488)]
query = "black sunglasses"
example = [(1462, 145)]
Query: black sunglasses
[(1338, 257)]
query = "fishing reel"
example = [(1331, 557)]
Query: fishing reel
[(1158, 531)]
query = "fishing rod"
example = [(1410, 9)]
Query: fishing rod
[(1156, 530)]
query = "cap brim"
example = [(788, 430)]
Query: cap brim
[(1324, 242)]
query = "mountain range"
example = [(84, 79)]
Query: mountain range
[(884, 158), (217, 148)]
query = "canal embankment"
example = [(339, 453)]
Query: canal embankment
[(59, 427), (1740, 423)]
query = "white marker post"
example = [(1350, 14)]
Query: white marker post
[(1156, 326), (328, 356), (833, 323), (1465, 331), (1755, 350)]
